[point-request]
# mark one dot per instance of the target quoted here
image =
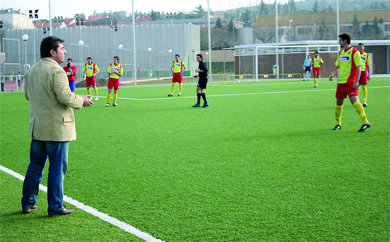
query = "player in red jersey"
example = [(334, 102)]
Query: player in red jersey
[(71, 71)]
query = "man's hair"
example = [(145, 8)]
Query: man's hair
[(200, 55), (89, 58), (116, 57), (361, 44), (177, 55), (49, 43), (70, 59), (345, 36), (316, 52)]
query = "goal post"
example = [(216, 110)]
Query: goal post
[(260, 60)]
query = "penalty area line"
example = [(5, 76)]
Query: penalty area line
[(105, 217)]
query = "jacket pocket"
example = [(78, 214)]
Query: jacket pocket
[(67, 118)]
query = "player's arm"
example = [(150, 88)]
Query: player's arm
[(97, 70), (356, 84), (368, 67), (333, 73)]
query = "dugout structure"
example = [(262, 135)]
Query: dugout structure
[(285, 60)]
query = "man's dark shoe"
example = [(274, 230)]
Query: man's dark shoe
[(64, 211), (29, 210), (364, 127), (337, 127)]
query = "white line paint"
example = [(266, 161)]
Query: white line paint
[(122, 225), (234, 94)]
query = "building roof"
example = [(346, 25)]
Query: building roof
[(328, 17), (316, 43)]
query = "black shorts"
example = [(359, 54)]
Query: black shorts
[(202, 83)]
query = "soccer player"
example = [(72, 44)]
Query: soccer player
[(307, 68), (115, 71), (177, 69), (71, 71), (316, 63), (202, 83), (365, 73), (90, 71), (348, 64)]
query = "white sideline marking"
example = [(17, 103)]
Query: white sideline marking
[(233, 94), (122, 225)]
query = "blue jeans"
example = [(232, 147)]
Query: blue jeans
[(57, 152)]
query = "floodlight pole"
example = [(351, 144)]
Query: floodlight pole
[(277, 38), (338, 19), (209, 26), (134, 46), (50, 27)]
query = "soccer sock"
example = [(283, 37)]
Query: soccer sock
[(204, 97), (305, 76), (309, 76), (96, 92), (115, 97), (173, 88), (315, 81), (108, 97), (339, 113), (180, 87), (89, 91), (360, 110), (365, 93), (198, 94)]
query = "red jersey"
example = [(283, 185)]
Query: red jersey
[(69, 74)]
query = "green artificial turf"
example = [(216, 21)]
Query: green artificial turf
[(261, 163)]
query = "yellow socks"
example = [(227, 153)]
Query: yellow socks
[(96, 92), (115, 97), (339, 113), (360, 110), (108, 97), (365, 93), (180, 88), (89, 91), (173, 88), (315, 81)]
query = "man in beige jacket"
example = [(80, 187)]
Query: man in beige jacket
[(51, 126)]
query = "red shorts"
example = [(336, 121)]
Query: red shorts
[(91, 81), (345, 89), (113, 83), (363, 78), (177, 77), (316, 70)]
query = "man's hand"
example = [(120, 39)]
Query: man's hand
[(331, 77), (87, 102), (355, 85)]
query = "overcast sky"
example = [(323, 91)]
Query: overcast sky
[(67, 8)]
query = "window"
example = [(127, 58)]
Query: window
[(387, 27)]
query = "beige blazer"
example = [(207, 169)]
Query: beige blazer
[(51, 102)]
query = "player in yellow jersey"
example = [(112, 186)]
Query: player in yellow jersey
[(316, 64), (115, 71), (348, 64), (177, 68), (365, 74), (90, 70)]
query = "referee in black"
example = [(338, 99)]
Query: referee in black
[(202, 83)]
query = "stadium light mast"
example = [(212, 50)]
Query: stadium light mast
[(277, 38), (338, 19), (209, 30), (50, 27), (134, 46)]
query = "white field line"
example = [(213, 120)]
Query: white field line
[(122, 225), (234, 94)]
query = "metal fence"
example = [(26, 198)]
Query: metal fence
[(156, 46)]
